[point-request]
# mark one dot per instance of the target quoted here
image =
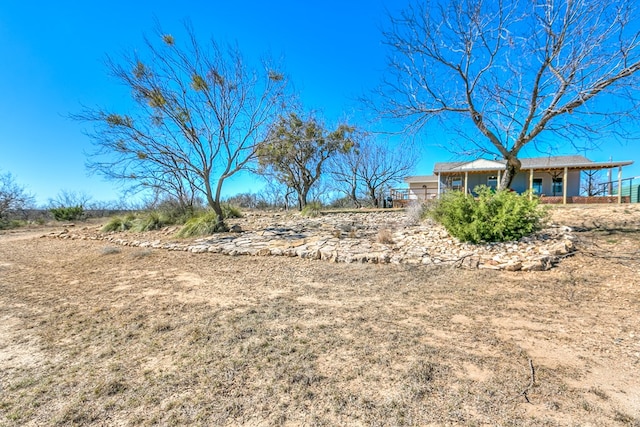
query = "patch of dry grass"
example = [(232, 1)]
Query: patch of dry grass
[(185, 339)]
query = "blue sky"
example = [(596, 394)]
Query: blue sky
[(53, 63)]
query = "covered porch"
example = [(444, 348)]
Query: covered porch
[(553, 179)]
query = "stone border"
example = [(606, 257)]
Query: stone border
[(363, 237)]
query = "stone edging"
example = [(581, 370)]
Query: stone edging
[(377, 237)]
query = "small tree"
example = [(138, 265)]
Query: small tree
[(296, 150), (592, 183), (66, 198), (199, 113), (13, 198), (371, 166)]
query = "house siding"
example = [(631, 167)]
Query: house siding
[(478, 171), (417, 191), (520, 182)]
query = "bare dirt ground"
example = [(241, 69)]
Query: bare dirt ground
[(93, 334)]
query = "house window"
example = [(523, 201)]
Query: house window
[(557, 186), (492, 182), (537, 185), (456, 183)]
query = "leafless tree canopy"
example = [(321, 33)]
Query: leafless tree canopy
[(13, 197), (370, 167), (199, 113), (514, 71)]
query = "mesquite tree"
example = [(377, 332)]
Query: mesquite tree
[(508, 73), (198, 114), (296, 151)]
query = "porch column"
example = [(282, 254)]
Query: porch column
[(564, 185), (466, 180), (439, 189), (499, 177), (531, 184), (620, 185)]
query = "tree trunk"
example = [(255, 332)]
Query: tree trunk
[(353, 193), (354, 197), (372, 196), (510, 171), (302, 199), (214, 203)]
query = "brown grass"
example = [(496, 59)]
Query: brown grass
[(93, 336), (385, 236)]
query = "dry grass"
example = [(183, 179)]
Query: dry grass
[(183, 339), (385, 236)]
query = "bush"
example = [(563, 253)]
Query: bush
[(230, 211), (174, 212), (150, 221), (118, 224), (311, 210), (491, 217), (67, 213), (8, 224), (202, 225), (416, 212)]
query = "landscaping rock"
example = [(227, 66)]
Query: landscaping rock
[(425, 243)]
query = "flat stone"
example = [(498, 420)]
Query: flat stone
[(512, 266)]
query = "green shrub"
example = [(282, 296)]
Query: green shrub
[(67, 213), (491, 217), (173, 212), (202, 225), (230, 211), (118, 224), (149, 222), (7, 224), (312, 209)]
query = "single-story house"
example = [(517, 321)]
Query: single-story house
[(555, 178)]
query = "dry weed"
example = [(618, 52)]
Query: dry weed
[(385, 237)]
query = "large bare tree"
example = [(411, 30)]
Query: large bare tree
[(507, 73), (198, 115)]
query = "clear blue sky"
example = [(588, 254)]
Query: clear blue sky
[(52, 63)]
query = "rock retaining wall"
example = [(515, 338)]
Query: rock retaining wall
[(373, 237)]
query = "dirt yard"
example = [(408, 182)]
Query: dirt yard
[(97, 334)]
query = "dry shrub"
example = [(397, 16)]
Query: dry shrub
[(415, 212), (385, 236)]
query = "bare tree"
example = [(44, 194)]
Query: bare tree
[(371, 166), (13, 198), (344, 174), (69, 198), (514, 72), (593, 184), (199, 113)]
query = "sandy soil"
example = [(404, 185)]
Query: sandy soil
[(93, 334)]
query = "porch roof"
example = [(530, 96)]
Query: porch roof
[(535, 163), (421, 179)]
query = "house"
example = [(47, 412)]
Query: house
[(556, 179)]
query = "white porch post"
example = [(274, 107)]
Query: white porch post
[(499, 177), (564, 185), (620, 185), (466, 180), (439, 189), (531, 184)]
